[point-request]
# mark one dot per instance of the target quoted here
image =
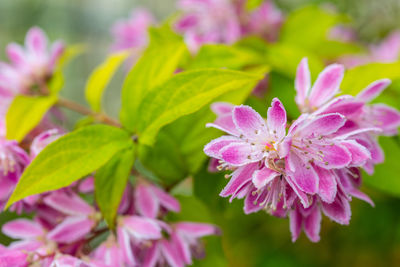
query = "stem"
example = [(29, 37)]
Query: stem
[(101, 117)]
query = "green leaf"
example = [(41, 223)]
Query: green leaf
[(253, 4), (156, 65), (285, 58), (386, 175), (186, 93), (70, 158), (358, 78), (308, 27), (25, 113), (164, 159), (224, 56), (100, 78), (110, 182)]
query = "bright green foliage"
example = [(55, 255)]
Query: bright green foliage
[(70, 158), (178, 150), (358, 78), (25, 113), (100, 78), (156, 65), (253, 4), (110, 182), (224, 56), (308, 26), (183, 94)]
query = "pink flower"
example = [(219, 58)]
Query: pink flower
[(132, 33), (81, 217), (150, 200), (264, 21), (13, 161), (69, 261), (183, 244), (208, 21), (134, 230), (387, 51), (30, 65)]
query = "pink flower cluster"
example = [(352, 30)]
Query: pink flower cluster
[(225, 21), (312, 167), (64, 228)]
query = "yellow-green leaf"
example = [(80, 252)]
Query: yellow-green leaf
[(100, 78), (25, 113)]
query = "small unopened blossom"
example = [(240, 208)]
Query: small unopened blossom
[(30, 66), (42, 140), (132, 32)]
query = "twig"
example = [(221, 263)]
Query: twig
[(101, 117)]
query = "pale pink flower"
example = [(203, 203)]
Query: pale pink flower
[(42, 140), (387, 51), (132, 33), (208, 21), (31, 65)]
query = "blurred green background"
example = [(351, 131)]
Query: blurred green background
[(373, 237)]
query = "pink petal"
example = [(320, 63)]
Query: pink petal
[(276, 119), (213, 149), (327, 184), (302, 82), (68, 203), (295, 223), (142, 228), (222, 108), (238, 154), (36, 41), (386, 118), (170, 254), (152, 256), (196, 230), (16, 54), (57, 49), (359, 154), (125, 245), (297, 191), (262, 177), (146, 202), (333, 156), (373, 90), (167, 200), (225, 123), (248, 121), (312, 224), (14, 258), (303, 175), (323, 125), (344, 105), (183, 248), (22, 228), (240, 177), (71, 229), (339, 210), (253, 200), (326, 85)]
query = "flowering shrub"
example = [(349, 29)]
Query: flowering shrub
[(137, 190)]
